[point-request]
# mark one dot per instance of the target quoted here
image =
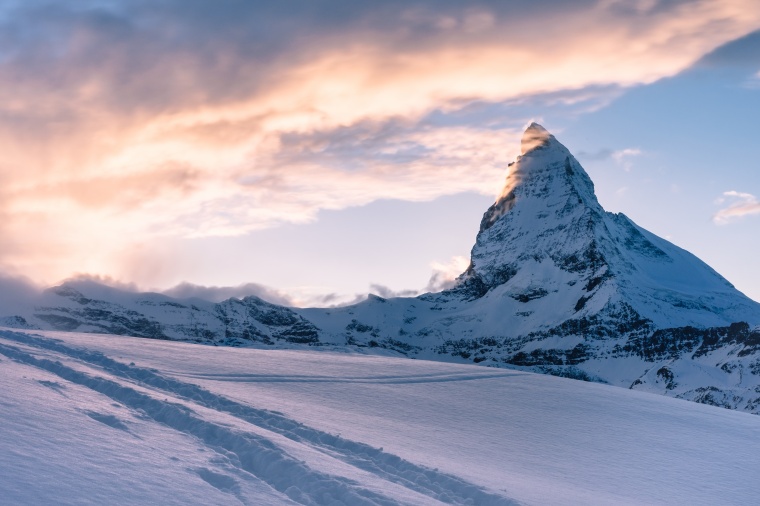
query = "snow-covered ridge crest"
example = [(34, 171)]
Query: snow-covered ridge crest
[(555, 284)]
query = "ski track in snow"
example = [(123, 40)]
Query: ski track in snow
[(255, 453), (388, 380)]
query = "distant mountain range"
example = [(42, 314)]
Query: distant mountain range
[(555, 285)]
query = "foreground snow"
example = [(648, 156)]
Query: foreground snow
[(91, 419)]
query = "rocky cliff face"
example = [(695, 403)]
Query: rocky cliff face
[(555, 285)]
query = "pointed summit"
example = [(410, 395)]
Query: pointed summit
[(535, 136), (547, 215), (546, 179)]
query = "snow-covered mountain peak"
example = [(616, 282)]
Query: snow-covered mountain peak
[(547, 170), (548, 243), (535, 136), (546, 212)]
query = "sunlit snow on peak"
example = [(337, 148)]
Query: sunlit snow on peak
[(535, 136)]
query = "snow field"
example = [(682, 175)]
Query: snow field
[(92, 418)]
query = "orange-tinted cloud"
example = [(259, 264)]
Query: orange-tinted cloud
[(742, 204), (121, 123)]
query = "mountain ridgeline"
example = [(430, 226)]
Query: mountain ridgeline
[(555, 285)]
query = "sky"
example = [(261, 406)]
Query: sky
[(312, 152)]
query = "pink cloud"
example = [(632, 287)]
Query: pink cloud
[(741, 204)]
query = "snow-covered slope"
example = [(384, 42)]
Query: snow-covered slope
[(96, 419), (556, 284), (87, 306)]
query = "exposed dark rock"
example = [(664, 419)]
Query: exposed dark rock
[(713, 396), (580, 353), (59, 322), (667, 376), (359, 327), (529, 295), (301, 332), (676, 342), (581, 302)]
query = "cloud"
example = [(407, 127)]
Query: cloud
[(602, 154), (622, 154), (122, 123), (102, 280), (221, 293), (445, 274), (741, 204), (385, 292), (740, 53), (753, 82), (623, 157), (17, 294)]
